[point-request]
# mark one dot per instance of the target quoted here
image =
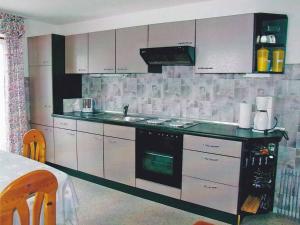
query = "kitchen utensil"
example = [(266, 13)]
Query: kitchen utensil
[(87, 105)]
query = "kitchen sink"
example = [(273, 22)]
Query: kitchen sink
[(127, 118), (91, 115)]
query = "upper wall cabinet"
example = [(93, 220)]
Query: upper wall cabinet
[(102, 52), (40, 51), (172, 34), (76, 53), (128, 44), (225, 44)]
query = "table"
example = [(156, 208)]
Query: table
[(13, 166)]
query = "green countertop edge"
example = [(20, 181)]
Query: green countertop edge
[(277, 135), (176, 203)]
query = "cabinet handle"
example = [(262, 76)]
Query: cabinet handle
[(205, 68), (210, 159), (211, 146), (122, 69), (185, 43), (108, 69), (209, 187), (72, 134)]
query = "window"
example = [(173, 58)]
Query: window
[(3, 70)]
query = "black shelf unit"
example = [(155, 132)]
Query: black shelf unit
[(255, 165), (64, 86), (270, 24)]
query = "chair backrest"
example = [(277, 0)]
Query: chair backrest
[(34, 145), (40, 184)]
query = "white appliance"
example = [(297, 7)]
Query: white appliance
[(263, 119), (87, 105)]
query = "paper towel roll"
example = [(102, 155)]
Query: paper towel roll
[(245, 115)]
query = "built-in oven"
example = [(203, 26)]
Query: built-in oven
[(159, 157)]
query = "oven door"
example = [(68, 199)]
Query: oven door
[(159, 157)]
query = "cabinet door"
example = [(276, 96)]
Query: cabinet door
[(40, 50), (65, 148), (172, 34), (225, 44), (119, 160), (102, 52), (76, 53), (41, 95), (128, 44), (48, 135), (90, 153)]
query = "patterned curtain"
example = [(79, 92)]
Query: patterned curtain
[(12, 29)]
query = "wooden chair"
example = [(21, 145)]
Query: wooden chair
[(43, 184), (34, 145)]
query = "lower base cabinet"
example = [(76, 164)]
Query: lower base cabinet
[(48, 135), (213, 195), (90, 153), (119, 160), (65, 148)]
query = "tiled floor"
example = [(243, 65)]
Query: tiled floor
[(100, 205)]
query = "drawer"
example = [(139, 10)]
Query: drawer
[(69, 124), (158, 188), (119, 131), (222, 169), (90, 127), (209, 194), (212, 145)]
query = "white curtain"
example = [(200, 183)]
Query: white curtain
[(3, 108)]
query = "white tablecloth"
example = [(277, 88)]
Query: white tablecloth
[(13, 166)]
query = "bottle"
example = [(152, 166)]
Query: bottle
[(262, 59), (278, 58)]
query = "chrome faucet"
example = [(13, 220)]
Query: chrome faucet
[(125, 110)]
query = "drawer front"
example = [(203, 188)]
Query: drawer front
[(209, 194), (222, 169), (158, 188), (119, 131), (213, 145), (65, 123), (90, 127)]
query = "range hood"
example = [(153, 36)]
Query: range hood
[(168, 56)]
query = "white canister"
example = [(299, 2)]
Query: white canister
[(245, 115)]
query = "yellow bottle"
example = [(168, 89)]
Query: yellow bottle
[(262, 59), (278, 59)]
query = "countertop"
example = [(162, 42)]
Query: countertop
[(207, 129)]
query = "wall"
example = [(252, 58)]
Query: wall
[(200, 10)]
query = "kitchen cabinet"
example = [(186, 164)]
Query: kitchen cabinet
[(65, 148), (213, 195), (119, 131), (41, 95), (68, 124), (40, 50), (119, 160), (76, 53), (172, 34), (128, 44), (48, 135), (101, 52), (221, 46), (90, 153)]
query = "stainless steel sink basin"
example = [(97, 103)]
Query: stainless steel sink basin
[(127, 118)]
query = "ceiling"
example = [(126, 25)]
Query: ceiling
[(70, 11)]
